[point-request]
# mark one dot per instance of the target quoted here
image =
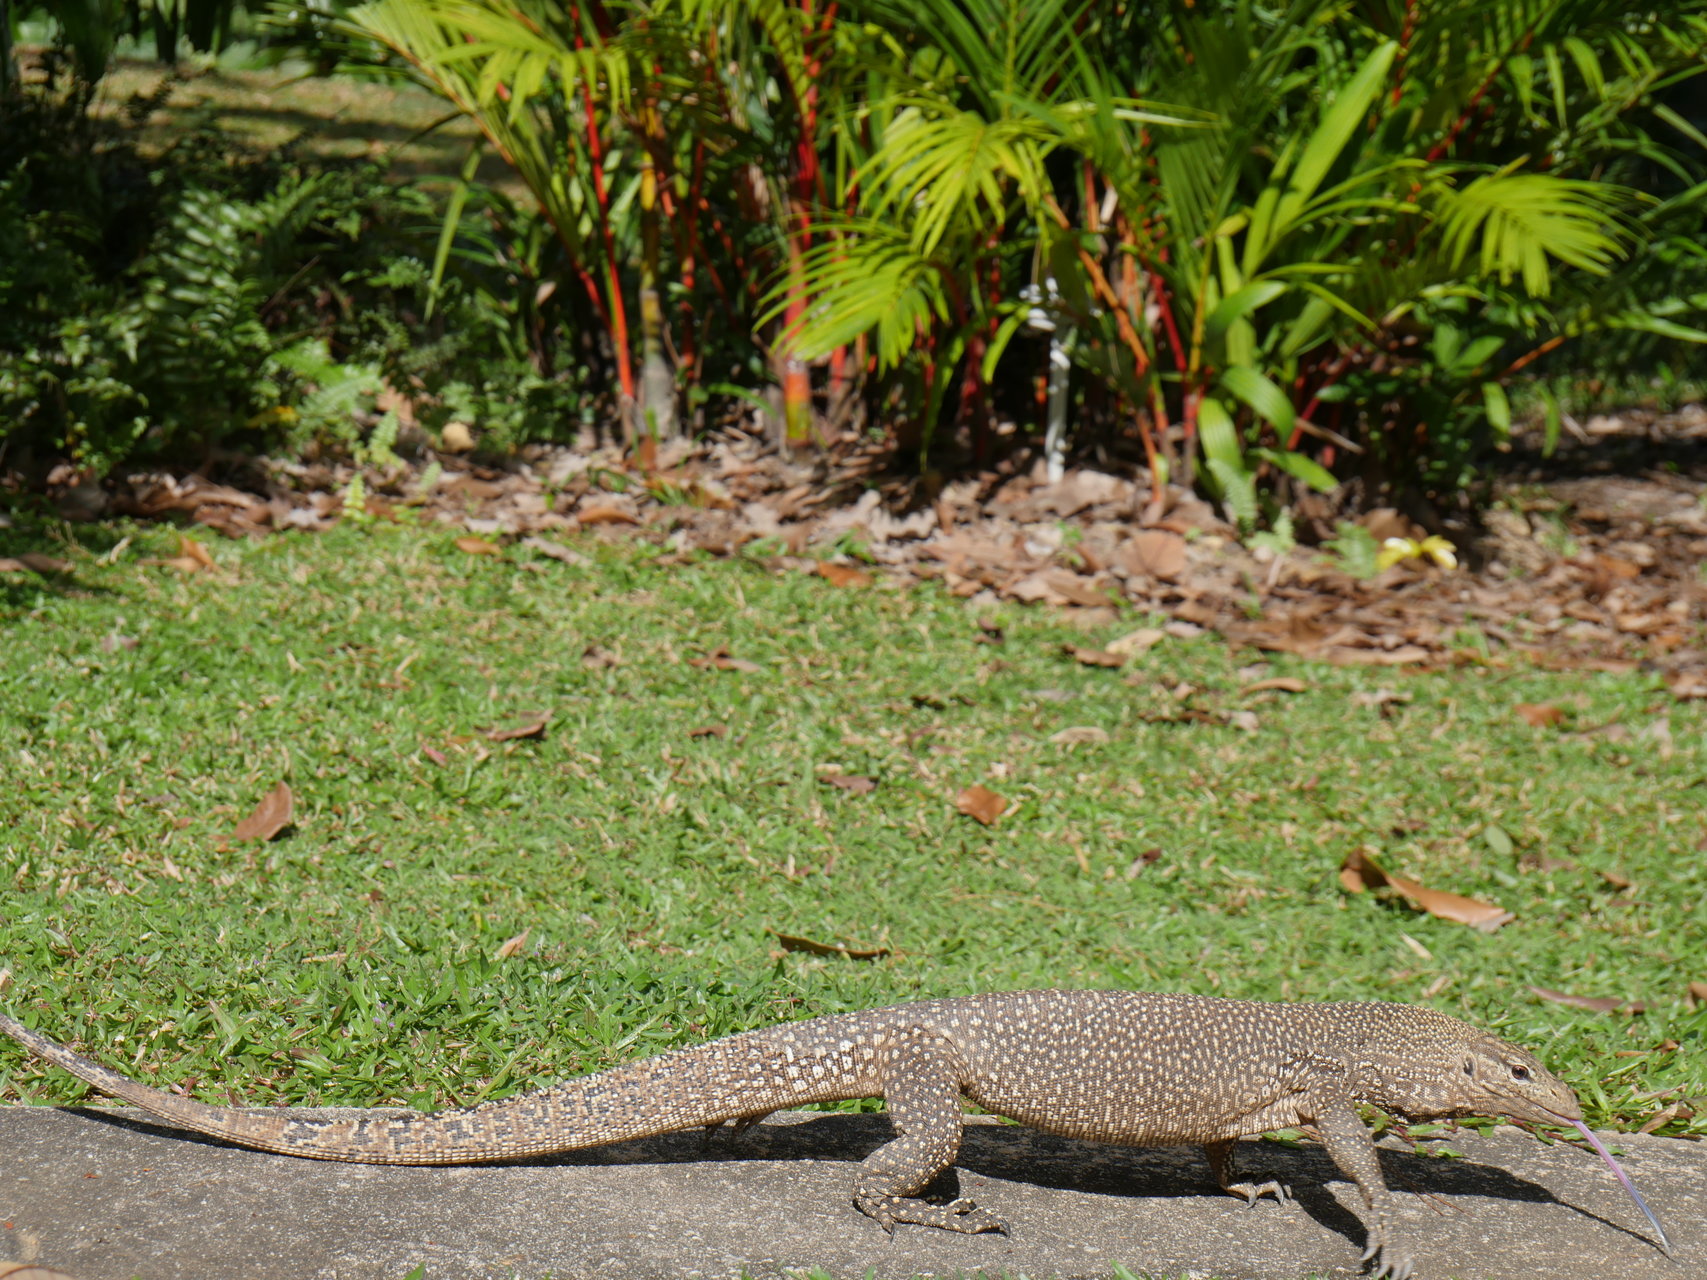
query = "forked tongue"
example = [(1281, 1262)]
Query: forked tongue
[(1629, 1186)]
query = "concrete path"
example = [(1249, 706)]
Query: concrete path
[(104, 1197)]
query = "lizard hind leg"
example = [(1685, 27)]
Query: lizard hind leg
[(921, 1088), (736, 1128), (1221, 1163)]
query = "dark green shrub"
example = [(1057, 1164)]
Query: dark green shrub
[(163, 307)]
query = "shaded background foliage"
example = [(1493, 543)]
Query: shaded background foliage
[(1303, 255)]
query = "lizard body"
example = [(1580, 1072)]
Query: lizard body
[(1141, 1069)]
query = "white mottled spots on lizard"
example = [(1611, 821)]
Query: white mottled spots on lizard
[(1113, 1066)]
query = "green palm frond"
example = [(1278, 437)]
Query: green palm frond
[(785, 28), (871, 279), (514, 70), (983, 50), (954, 172), (1516, 222)]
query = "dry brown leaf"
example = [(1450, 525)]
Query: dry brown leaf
[(34, 562), (112, 642), (554, 550), (1283, 684), (595, 657), (1359, 871), (1665, 1115), (1380, 698), (190, 549), (270, 817), (857, 784), (1094, 657), (709, 731), (532, 727), (192, 557), (842, 575), (1698, 992), (719, 660), (1386, 522), (1245, 721), (378, 508), (456, 438), (477, 546), (1540, 715), (1688, 684), (979, 802), (1148, 858), (1615, 880), (1184, 715), (1077, 734), (1594, 1004), (1077, 490), (435, 755), (390, 400), (1196, 612), (1618, 569), (1346, 656), (606, 515), (1137, 641), (1058, 587), (1033, 588), (1153, 553), (790, 942), (512, 945)]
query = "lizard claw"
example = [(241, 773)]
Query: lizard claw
[(969, 1218), (1395, 1261), (961, 1216), (1253, 1191)]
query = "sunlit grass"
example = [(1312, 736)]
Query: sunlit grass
[(352, 960)]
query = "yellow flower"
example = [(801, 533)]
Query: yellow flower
[(1433, 547), (1439, 550), (280, 415)]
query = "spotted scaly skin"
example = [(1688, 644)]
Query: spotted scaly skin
[(1138, 1069)]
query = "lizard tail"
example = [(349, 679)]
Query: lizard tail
[(680, 1090)]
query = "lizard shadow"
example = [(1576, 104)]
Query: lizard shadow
[(1013, 1153)]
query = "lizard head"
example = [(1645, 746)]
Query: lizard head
[(1451, 1068), (1502, 1080), (1461, 1071)]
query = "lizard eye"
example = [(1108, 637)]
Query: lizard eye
[(1520, 1073), (1469, 1066)]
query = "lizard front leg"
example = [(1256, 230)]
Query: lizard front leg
[(1350, 1146), (922, 1077)]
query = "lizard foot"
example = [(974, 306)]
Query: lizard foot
[(739, 1126), (1395, 1260), (962, 1216), (1254, 1191)]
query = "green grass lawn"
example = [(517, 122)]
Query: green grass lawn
[(143, 713)]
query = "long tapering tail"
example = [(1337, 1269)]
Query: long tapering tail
[(705, 1085)]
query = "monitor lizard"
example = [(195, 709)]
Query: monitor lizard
[(1141, 1069)]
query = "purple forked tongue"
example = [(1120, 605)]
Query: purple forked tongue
[(1629, 1186)]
